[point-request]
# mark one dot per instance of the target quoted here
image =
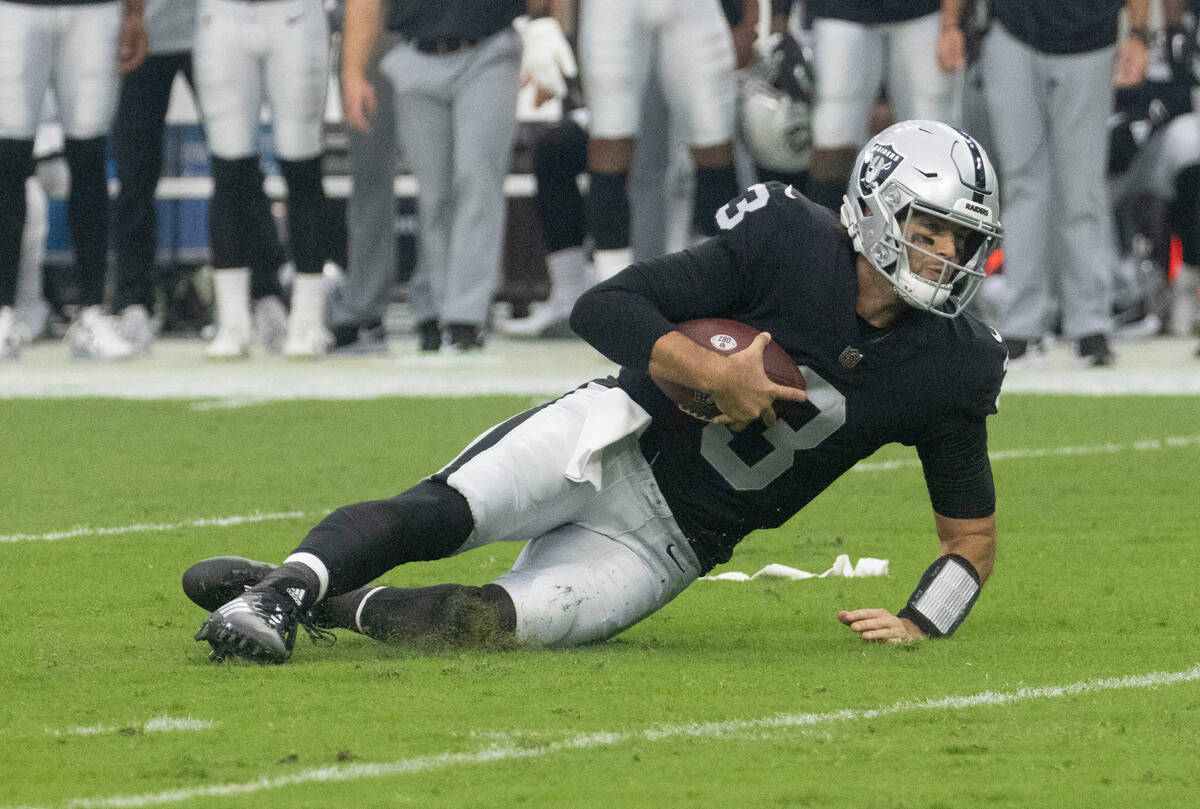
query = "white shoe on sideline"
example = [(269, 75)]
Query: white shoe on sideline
[(270, 323), (308, 343), (570, 276), (231, 288), (13, 334), (95, 336), (228, 344), (307, 336), (135, 327)]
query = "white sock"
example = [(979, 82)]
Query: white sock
[(358, 612), (610, 262), (316, 566)]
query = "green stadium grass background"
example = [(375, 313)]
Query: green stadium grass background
[(1096, 578)]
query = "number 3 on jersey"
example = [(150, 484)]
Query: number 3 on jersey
[(716, 441), (755, 197)]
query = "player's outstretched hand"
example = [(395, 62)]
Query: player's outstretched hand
[(879, 625), (746, 392)]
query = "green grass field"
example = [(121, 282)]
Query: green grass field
[(1074, 683)]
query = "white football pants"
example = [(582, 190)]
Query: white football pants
[(851, 62), (695, 65), (72, 49), (272, 50), (604, 550)]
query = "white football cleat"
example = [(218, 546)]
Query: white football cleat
[(135, 327), (307, 343), (570, 276), (307, 336), (270, 323), (231, 288), (94, 336), (13, 334)]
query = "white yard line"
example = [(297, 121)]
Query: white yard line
[(141, 528), (157, 724), (1145, 445), (742, 729)]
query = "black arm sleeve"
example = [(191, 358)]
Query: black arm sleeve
[(624, 316), (958, 472)]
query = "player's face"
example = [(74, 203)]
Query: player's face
[(937, 241)]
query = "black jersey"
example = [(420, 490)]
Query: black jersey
[(470, 19), (785, 265), (1066, 27), (871, 12)]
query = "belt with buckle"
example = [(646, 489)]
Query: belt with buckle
[(443, 45)]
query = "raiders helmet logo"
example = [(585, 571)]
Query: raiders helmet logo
[(878, 166)]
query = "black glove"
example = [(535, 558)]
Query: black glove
[(790, 68)]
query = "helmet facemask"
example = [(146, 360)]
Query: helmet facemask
[(959, 277)]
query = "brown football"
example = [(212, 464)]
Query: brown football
[(726, 337)]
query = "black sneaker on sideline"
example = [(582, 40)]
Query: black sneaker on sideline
[(1016, 348), (464, 337), (1095, 352), (429, 335), (366, 338)]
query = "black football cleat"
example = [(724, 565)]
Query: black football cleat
[(216, 581), (259, 625)]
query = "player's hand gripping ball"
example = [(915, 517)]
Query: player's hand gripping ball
[(727, 337)]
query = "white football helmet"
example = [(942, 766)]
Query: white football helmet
[(776, 128), (924, 167)]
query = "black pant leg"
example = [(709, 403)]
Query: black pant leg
[(138, 150)]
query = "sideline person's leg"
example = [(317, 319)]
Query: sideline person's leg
[(485, 97)]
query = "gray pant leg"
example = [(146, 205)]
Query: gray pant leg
[(455, 121), (484, 124), (423, 129), (363, 295), (648, 203), (1017, 110), (1081, 96)]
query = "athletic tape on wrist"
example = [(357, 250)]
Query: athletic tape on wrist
[(944, 596)]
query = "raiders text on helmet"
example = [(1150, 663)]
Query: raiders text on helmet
[(924, 168)]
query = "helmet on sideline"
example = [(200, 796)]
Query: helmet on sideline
[(775, 106), (924, 168), (776, 128)]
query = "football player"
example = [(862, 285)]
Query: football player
[(690, 45), (624, 499), (859, 45), (138, 151), (248, 51), (78, 49)]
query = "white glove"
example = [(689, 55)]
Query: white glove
[(546, 57)]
